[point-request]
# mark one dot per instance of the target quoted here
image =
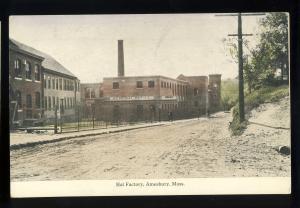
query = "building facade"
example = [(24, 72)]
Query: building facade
[(152, 98), (140, 98), (149, 98), (35, 90), (25, 79)]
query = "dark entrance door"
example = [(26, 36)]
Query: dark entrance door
[(116, 114)]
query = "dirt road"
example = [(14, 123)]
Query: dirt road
[(193, 148)]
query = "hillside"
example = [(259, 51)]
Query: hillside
[(255, 149)]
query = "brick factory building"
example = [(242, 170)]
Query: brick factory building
[(38, 85), (142, 98)]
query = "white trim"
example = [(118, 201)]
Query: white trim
[(28, 80), (18, 78)]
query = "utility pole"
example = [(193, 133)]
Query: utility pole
[(241, 74), (240, 55)]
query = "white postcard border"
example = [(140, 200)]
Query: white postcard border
[(138, 187)]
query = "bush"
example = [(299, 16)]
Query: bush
[(229, 93), (235, 126), (264, 95)]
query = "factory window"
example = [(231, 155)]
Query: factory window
[(87, 92), (75, 85), (49, 103), (64, 84), (28, 101), (37, 74), (139, 84), (56, 80), (161, 84), (67, 85), (53, 101), (195, 91), (18, 72), (72, 85), (151, 84), (196, 103), (19, 98), (27, 70), (45, 81), (93, 94), (45, 102), (38, 99), (49, 83), (115, 85), (60, 84)]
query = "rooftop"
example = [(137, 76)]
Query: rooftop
[(142, 77), (48, 63)]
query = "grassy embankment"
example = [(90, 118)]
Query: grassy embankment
[(266, 94)]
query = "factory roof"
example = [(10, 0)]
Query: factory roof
[(48, 63)]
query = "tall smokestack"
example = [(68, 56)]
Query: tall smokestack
[(120, 59)]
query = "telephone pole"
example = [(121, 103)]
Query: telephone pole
[(240, 55)]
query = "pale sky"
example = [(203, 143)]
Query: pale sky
[(154, 44)]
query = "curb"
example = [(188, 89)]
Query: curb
[(34, 143)]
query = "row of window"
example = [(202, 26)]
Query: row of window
[(151, 84), (49, 83), (139, 84), (60, 84), (28, 70), (176, 88), (50, 102), (89, 93), (28, 99), (172, 106)]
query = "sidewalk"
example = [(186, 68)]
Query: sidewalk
[(22, 139)]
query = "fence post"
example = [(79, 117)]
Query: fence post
[(61, 120), (77, 118), (159, 114), (93, 115), (55, 122)]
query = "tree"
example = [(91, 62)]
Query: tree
[(271, 53), (272, 50)]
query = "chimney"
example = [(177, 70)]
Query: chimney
[(120, 59)]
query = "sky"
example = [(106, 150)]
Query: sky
[(154, 44)]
